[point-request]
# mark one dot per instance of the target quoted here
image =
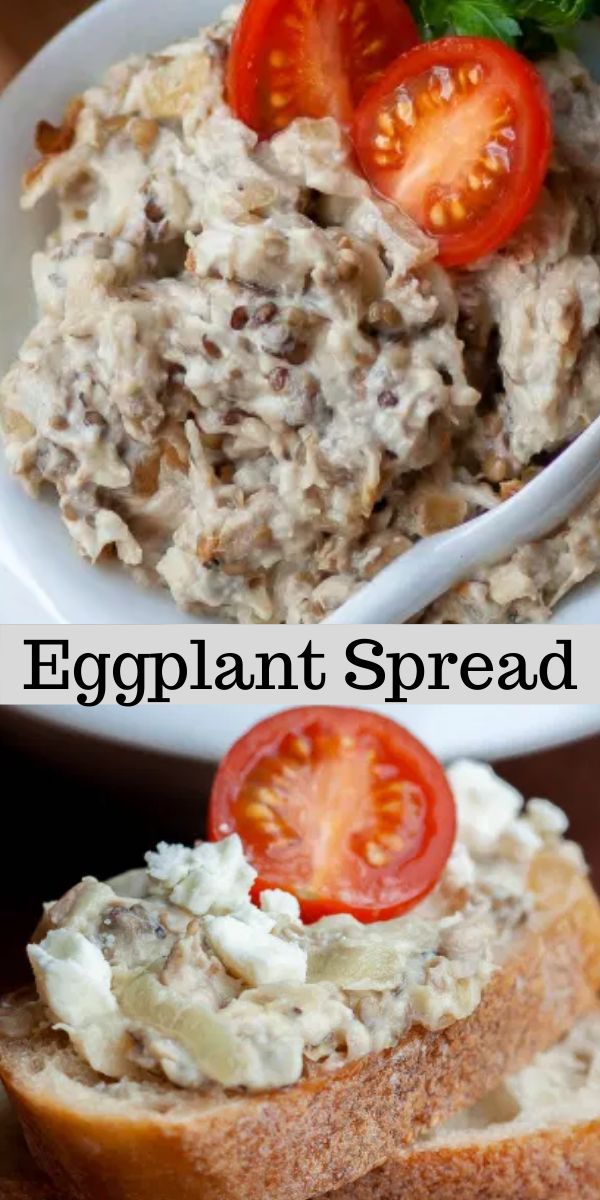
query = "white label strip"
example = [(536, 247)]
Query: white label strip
[(129, 665)]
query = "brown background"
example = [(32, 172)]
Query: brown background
[(26, 26), (73, 806)]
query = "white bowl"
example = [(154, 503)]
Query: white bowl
[(485, 731), (41, 577)]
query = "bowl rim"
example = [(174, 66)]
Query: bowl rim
[(578, 721)]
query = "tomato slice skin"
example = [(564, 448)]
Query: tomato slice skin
[(458, 133), (311, 58), (342, 807)]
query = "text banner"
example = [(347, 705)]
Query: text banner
[(129, 665)]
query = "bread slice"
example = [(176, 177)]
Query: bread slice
[(535, 1137), (20, 1178), (145, 1140)]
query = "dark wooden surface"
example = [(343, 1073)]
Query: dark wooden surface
[(75, 807), (25, 27)]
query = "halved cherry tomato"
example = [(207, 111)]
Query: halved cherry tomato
[(341, 807), (458, 133), (311, 58)]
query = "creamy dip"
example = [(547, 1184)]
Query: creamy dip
[(251, 380), (174, 970)]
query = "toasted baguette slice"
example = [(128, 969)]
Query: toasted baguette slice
[(149, 1141), (535, 1137), (20, 1178)]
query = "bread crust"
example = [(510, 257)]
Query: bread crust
[(543, 1164), (325, 1132), (20, 1179), (537, 1165)]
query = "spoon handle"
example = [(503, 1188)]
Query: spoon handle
[(438, 563)]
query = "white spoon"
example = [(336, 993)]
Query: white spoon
[(438, 563)]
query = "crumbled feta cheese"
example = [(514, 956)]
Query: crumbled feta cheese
[(280, 904), (486, 805), (520, 842), (178, 1066), (573, 854), (255, 956), (74, 982), (73, 977), (210, 877), (460, 869), (547, 818), (168, 864), (250, 915)]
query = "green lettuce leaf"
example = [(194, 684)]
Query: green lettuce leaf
[(533, 26), (552, 14), (474, 18)]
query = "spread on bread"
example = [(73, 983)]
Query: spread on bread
[(188, 970)]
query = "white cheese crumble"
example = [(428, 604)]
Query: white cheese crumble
[(73, 977), (486, 805), (211, 877), (571, 853), (255, 956), (279, 904), (460, 869), (547, 818), (250, 915), (520, 842)]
